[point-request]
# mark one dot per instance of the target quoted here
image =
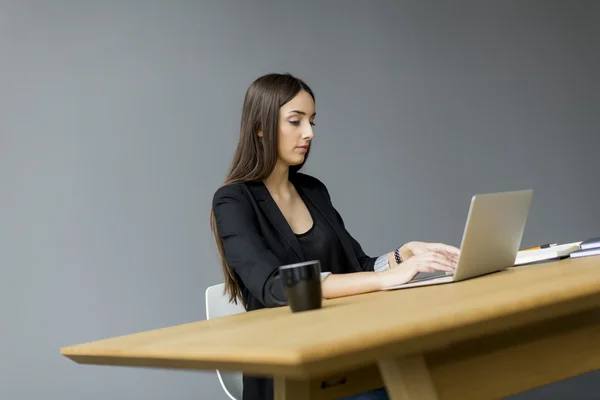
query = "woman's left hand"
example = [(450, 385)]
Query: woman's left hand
[(417, 248)]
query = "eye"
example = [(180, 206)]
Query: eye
[(295, 122), (313, 123)]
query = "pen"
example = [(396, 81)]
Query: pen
[(543, 246)]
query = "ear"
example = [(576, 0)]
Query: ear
[(260, 134)]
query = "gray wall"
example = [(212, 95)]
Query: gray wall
[(118, 120)]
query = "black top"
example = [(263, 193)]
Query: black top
[(258, 240), (318, 243), (321, 243)]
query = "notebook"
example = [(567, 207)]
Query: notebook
[(593, 251), (550, 253), (590, 247), (590, 243)]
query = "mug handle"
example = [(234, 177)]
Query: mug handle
[(270, 286)]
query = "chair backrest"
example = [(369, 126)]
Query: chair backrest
[(218, 305)]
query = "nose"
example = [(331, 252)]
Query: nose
[(308, 133)]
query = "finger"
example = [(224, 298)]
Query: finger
[(455, 251), (451, 261), (425, 268), (445, 248), (449, 256), (454, 260), (441, 259), (441, 267), (437, 265), (452, 257)]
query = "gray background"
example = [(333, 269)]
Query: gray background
[(118, 120)]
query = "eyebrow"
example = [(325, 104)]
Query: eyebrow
[(300, 112)]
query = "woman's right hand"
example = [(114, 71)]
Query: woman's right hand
[(426, 262)]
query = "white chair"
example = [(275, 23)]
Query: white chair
[(218, 305)]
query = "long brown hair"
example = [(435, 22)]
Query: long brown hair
[(255, 157)]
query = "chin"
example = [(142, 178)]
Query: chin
[(297, 161), (294, 160)]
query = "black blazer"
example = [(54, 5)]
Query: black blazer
[(257, 238)]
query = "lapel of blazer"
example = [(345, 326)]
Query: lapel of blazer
[(319, 200), (273, 213)]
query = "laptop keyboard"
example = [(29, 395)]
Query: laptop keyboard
[(423, 276)]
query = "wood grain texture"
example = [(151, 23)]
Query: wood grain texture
[(345, 384), (352, 332), (328, 388), (291, 389), (504, 364), (407, 378), (489, 367)]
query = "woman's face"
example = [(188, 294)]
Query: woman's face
[(295, 132)]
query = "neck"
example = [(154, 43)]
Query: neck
[(278, 182)]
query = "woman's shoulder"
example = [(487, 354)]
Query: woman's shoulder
[(230, 188), (240, 192), (236, 192)]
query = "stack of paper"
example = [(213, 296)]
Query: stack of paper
[(590, 247), (550, 253)]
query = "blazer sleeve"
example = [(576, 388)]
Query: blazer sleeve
[(366, 263), (246, 252)]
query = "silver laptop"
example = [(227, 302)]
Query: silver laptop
[(491, 238)]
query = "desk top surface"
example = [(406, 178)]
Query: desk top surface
[(359, 329)]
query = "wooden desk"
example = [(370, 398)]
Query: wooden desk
[(484, 338)]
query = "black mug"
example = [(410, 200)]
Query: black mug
[(302, 285)]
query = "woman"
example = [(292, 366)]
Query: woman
[(267, 214)]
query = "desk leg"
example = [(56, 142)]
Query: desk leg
[(291, 389), (407, 378)]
